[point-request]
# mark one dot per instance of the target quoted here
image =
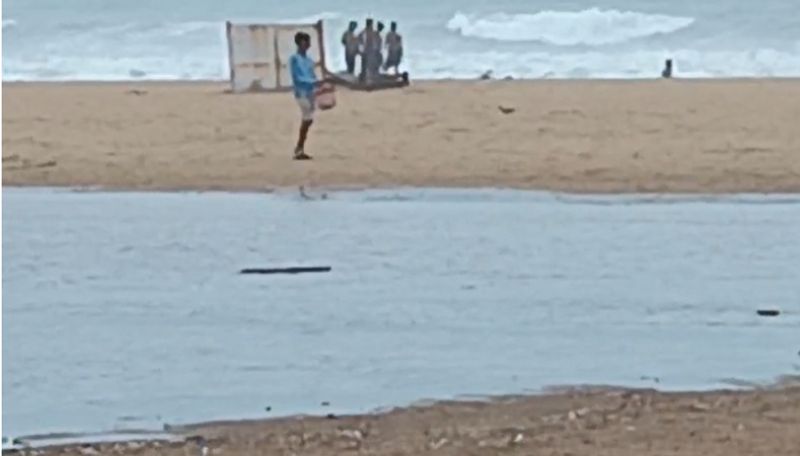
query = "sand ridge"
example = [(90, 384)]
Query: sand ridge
[(591, 422)]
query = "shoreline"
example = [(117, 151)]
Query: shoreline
[(323, 192), (713, 194), (576, 136), (425, 81), (565, 420)]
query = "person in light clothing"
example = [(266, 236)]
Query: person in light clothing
[(370, 49), (378, 49), (304, 82)]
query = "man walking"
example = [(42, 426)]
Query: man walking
[(304, 82)]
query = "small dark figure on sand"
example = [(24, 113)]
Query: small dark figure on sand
[(667, 71)]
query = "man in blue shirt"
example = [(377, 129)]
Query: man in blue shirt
[(305, 84)]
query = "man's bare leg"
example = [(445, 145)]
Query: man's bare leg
[(299, 151)]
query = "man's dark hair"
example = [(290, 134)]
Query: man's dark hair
[(380, 26), (353, 25), (393, 25), (369, 22), (300, 37)]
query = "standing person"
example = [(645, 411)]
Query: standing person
[(350, 44), (667, 71), (368, 41), (378, 48), (304, 82), (394, 49)]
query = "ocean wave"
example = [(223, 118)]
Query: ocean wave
[(191, 50), (594, 27), (186, 28), (325, 15), (310, 19)]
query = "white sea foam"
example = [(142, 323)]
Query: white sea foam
[(186, 28), (567, 28), (435, 64), (311, 18), (633, 64), (8, 23)]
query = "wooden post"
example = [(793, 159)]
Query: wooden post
[(321, 38), (278, 63), (231, 73)]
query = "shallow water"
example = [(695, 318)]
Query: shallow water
[(125, 310)]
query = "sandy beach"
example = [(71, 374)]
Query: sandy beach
[(578, 136), (595, 422)]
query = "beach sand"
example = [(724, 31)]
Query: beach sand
[(605, 422), (579, 136)]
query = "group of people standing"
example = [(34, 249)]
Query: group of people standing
[(370, 44)]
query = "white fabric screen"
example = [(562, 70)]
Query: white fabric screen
[(258, 54)]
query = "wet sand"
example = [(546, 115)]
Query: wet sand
[(612, 422), (581, 136)]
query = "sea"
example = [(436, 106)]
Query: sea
[(126, 312), (182, 40)]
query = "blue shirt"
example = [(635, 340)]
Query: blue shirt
[(303, 76)]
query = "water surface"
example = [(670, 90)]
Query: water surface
[(125, 310)]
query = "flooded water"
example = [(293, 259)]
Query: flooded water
[(126, 311)]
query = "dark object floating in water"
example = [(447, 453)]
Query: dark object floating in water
[(294, 270), (768, 312), (331, 416)]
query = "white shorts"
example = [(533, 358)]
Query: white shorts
[(306, 108)]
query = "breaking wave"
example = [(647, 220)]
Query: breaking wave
[(77, 48), (594, 27)]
